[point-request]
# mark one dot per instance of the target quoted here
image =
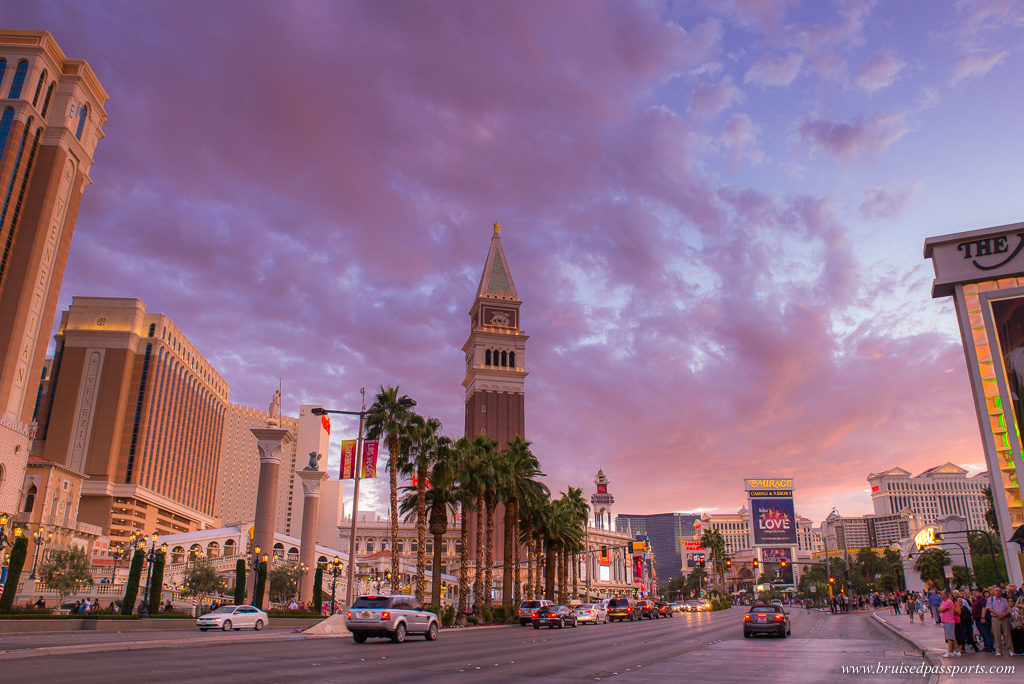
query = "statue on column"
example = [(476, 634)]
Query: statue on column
[(314, 461), (275, 407)]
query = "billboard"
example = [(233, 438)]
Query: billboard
[(773, 521), (771, 565), (1008, 316), (693, 560)]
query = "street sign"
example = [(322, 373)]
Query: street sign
[(814, 589), (949, 571)]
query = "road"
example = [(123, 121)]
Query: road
[(706, 646)]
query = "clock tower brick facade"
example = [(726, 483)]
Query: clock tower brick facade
[(495, 367)]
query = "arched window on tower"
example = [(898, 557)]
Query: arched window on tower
[(39, 88), (19, 79), (504, 359), (512, 359), (30, 499), (3, 68), (5, 127), (487, 358), (83, 113)]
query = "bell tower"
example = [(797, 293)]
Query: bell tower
[(495, 363)]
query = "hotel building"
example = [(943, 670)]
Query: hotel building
[(51, 119), (935, 493), (133, 405)]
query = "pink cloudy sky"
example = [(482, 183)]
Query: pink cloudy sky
[(714, 212)]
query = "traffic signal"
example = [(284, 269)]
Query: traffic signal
[(700, 562), (831, 580), (387, 575), (783, 563), (755, 564), (728, 562)]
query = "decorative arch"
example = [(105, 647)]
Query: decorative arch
[(229, 547), (278, 550), (213, 549), (178, 554)]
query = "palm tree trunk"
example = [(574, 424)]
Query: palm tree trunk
[(575, 584), (460, 618), (565, 576), (507, 563), (396, 571), (530, 583), (517, 548), (549, 571), (435, 585), (541, 563), (489, 561), (421, 531), (478, 573)]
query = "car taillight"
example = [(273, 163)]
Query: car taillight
[(779, 618), (746, 618), (534, 615), (348, 614), (629, 610), (386, 615)]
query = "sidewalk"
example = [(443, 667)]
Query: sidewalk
[(927, 637)]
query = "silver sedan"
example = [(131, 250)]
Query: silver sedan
[(591, 612), (235, 618)]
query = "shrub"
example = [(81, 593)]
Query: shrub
[(448, 616), (318, 586), (239, 582), (431, 608), (486, 616), (499, 615), (472, 619), (131, 590), (18, 554), (156, 587)]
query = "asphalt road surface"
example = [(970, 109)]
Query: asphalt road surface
[(693, 647)]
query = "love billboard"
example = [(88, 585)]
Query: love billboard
[(773, 521)]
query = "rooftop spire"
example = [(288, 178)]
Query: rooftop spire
[(496, 280)]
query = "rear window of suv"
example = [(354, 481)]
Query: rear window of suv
[(530, 604), (618, 603), (765, 609), (372, 602)]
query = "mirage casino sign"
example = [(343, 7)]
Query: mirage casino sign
[(772, 516)]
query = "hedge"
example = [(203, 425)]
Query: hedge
[(131, 590), (19, 552)]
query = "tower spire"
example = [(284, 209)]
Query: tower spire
[(496, 279)]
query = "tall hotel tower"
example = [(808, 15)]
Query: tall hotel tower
[(51, 118), (495, 366)]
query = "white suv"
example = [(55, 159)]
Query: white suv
[(393, 617)]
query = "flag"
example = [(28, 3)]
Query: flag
[(604, 556), (370, 457), (325, 422), (348, 459)]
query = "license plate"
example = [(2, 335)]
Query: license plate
[(761, 619), (364, 613)]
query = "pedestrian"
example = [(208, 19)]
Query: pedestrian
[(922, 608), (965, 637), (41, 602), (934, 600), (911, 607), (112, 609), (982, 620), (999, 608), (1017, 626), (949, 619)]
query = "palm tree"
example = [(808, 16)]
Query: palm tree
[(422, 437), (713, 541), (389, 419), (519, 469), (442, 496), (579, 511), (488, 466)]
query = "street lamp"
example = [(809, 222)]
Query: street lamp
[(39, 538), (335, 567), (3, 530), (255, 570), (405, 402)]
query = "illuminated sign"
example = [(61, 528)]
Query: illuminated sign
[(926, 537), (769, 484), (639, 546), (774, 521), (875, 488)]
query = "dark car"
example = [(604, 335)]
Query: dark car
[(528, 610), (646, 609), (664, 608), (766, 619), (554, 616), (622, 609)]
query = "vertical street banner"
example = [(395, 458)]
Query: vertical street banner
[(325, 423), (370, 457), (604, 556), (348, 459)]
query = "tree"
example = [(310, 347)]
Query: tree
[(318, 587), (930, 564), (463, 463), (389, 420), (961, 576), (156, 583), (284, 581), (442, 496), (202, 580), (259, 586), (131, 588), (240, 582), (983, 553), (714, 542), (19, 552), (694, 581), (991, 519), (65, 571), (422, 437), (868, 564)]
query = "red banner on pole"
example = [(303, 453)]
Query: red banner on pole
[(325, 422), (370, 458), (348, 459), (604, 556)]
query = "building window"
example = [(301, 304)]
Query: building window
[(512, 359), (504, 359), (3, 68), (369, 546), (400, 545), (5, 126), (39, 87), (19, 79), (46, 100), (30, 499), (487, 358), (83, 113)]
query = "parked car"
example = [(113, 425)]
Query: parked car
[(527, 610), (393, 617), (235, 618), (646, 609), (766, 619), (591, 612), (664, 608), (553, 616), (622, 608)]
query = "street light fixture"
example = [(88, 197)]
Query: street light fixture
[(150, 558), (3, 530), (404, 402), (335, 567), (39, 538)]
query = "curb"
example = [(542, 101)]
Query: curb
[(925, 653), (21, 654)]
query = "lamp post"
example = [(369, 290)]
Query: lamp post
[(151, 558), (255, 570), (3, 531), (39, 538), (405, 403), (335, 568)]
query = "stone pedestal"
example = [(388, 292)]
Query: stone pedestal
[(270, 442), (311, 481)]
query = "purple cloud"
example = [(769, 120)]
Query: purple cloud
[(880, 71), (976, 65), (774, 71), (864, 137)]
